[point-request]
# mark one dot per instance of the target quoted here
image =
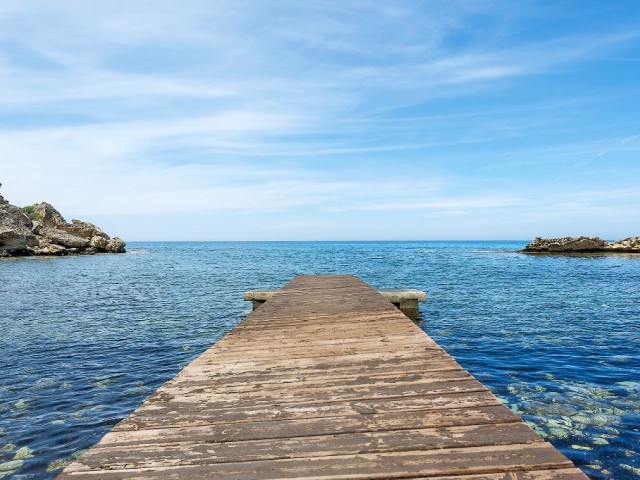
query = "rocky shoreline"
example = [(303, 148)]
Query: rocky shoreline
[(40, 230), (582, 245)]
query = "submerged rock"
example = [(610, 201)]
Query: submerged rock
[(58, 465), (582, 245), (41, 230), (11, 465), (22, 453), (630, 468), (560, 433)]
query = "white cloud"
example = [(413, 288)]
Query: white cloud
[(447, 204), (148, 107)]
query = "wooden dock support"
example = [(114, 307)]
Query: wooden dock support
[(405, 299), (326, 380)]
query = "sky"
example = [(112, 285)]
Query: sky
[(325, 120)]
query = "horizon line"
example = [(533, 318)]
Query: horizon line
[(326, 241)]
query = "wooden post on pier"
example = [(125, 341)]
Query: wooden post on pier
[(326, 380)]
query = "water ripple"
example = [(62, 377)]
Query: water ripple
[(86, 339)]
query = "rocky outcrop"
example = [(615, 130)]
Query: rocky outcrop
[(15, 231), (83, 229), (49, 249), (631, 244), (41, 230), (582, 245), (115, 245), (47, 215), (99, 242), (65, 239)]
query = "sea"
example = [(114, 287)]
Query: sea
[(84, 340)]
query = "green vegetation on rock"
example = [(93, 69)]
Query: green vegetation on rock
[(30, 211)]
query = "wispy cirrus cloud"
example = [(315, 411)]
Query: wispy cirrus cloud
[(347, 110)]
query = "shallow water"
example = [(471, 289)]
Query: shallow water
[(85, 339)]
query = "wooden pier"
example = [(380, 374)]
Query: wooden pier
[(405, 299), (325, 380)]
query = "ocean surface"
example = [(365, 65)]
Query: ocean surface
[(83, 340)]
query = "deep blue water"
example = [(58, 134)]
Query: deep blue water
[(83, 340)]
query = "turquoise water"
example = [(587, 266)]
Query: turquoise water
[(85, 339)]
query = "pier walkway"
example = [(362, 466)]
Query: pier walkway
[(325, 380)]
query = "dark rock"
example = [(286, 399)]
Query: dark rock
[(582, 245)]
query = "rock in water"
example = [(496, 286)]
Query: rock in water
[(49, 249), (99, 242), (631, 244), (41, 230), (566, 244), (582, 245), (116, 245)]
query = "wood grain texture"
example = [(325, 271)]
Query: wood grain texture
[(326, 380)]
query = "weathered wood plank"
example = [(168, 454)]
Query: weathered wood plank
[(559, 474), (319, 373), (206, 401), (243, 383), (328, 391), (334, 385), (179, 415), (326, 425), (312, 360), (199, 452), (403, 464)]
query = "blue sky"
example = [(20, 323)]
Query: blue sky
[(289, 120)]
